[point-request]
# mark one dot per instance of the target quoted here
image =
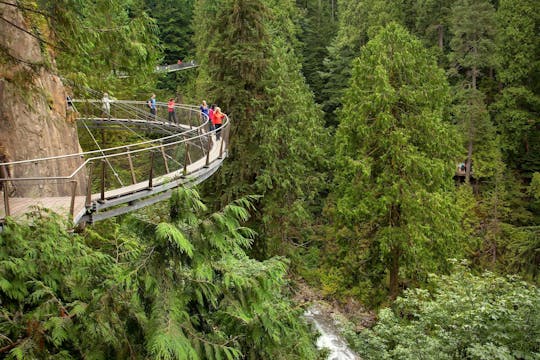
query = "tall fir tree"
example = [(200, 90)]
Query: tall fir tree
[(318, 22), (358, 22), (100, 40), (393, 187), (516, 112), (277, 138), (473, 27), (432, 21)]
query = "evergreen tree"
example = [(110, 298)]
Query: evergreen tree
[(517, 108), (181, 289), (318, 22), (431, 21), (277, 138), (174, 21), (395, 162), (358, 22), (102, 41), (472, 24)]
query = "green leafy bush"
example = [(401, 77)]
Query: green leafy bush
[(460, 316)]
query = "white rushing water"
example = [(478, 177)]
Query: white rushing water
[(329, 335)]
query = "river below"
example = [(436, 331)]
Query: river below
[(330, 337)]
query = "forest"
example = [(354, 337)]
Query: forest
[(383, 153)]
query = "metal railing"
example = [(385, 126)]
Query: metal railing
[(123, 174)]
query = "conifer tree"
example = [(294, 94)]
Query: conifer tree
[(180, 289), (431, 21), (472, 24), (318, 22), (395, 163), (100, 40), (277, 138), (358, 22), (174, 22), (517, 106)]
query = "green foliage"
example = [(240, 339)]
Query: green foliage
[(359, 21), (460, 316), (318, 28), (103, 39), (516, 109), (56, 293), (473, 27), (431, 21), (277, 137), (174, 21), (394, 163), (477, 132), (183, 289)]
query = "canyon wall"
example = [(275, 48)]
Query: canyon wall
[(33, 119)]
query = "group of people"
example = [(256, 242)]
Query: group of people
[(213, 112), (214, 115), (151, 103)]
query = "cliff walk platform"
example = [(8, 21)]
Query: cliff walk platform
[(115, 180)]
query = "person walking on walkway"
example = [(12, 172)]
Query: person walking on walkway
[(152, 105), (211, 116), (204, 114), (172, 112), (218, 121), (106, 105)]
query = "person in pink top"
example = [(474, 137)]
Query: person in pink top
[(172, 113)]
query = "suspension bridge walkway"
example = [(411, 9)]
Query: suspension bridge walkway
[(177, 67), (166, 68), (155, 156)]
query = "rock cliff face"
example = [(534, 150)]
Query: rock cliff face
[(33, 120)]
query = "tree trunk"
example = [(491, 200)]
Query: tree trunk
[(394, 272), (474, 70), (468, 163), (441, 38)]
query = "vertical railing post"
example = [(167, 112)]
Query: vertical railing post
[(151, 176), (5, 183), (186, 158), (73, 193), (103, 169), (208, 150), (189, 119), (222, 141), (131, 168), (227, 131), (164, 158), (199, 133), (88, 201)]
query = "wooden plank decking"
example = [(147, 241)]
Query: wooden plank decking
[(20, 205)]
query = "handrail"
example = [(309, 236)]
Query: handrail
[(87, 161), (203, 154), (111, 156), (81, 154)]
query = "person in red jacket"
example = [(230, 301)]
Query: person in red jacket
[(218, 121)]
